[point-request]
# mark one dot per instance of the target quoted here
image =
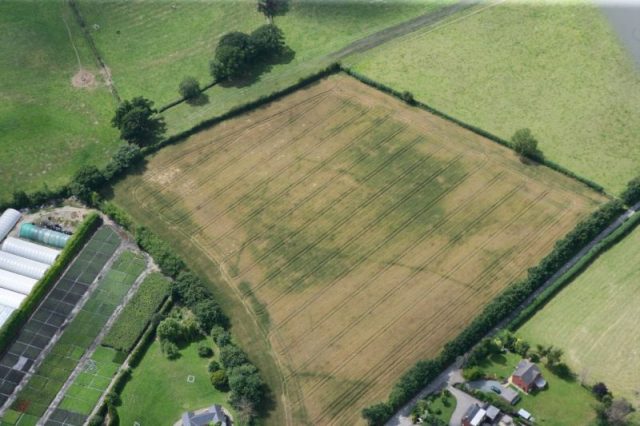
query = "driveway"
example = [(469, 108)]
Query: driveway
[(463, 402)]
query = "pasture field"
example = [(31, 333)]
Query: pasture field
[(159, 390), (51, 375), (360, 234), (595, 318), (137, 313), (559, 71), (151, 46), (49, 127)]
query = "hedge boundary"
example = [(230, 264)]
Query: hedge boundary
[(407, 97), (599, 249), (20, 316)]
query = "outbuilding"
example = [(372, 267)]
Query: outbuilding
[(22, 266), (11, 298), (16, 282), (32, 251)]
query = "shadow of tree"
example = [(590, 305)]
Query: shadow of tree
[(200, 100), (254, 74)]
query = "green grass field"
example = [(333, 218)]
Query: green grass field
[(49, 128), (148, 49), (563, 403), (78, 336), (158, 392), (137, 314), (557, 70), (595, 319)]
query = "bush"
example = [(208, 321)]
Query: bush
[(631, 194), (126, 156), (170, 349), (188, 289), (205, 351), (219, 380), (189, 88), (525, 144), (208, 313), (213, 366), (232, 56), (268, 41), (600, 390), (377, 415), (246, 385), (139, 122), (232, 356), (170, 329), (96, 420), (473, 373), (162, 253), (408, 98)]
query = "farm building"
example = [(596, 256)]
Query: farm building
[(22, 266), (16, 282), (32, 232), (8, 220), (11, 299), (527, 376), (31, 251)]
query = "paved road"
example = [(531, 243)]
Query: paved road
[(451, 374)]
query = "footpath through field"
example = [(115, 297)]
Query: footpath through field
[(403, 416)]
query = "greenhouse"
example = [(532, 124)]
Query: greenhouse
[(11, 298), (22, 266), (42, 235), (15, 282), (7, 221), (32, 251)]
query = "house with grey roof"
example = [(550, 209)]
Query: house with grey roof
[(205, 417), (527, 377)]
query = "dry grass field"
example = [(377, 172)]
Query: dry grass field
[(359, 234)]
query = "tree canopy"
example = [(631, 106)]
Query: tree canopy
[(138, 122), (525, 144)]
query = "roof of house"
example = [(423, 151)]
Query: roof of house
[(524, 414), (471, 411), (527, 371), (203, 418), (492, 412), (479, 417), (510, 395)]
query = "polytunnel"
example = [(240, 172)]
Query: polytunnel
[(22, 266), (16, 282), (11, 298), (42, 235), (32, 251), (7, 221)]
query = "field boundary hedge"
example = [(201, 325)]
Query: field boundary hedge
[(599, 249), (407, 97), (20, 316), (424, 371)]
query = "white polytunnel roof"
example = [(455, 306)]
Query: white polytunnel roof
[(30, 250), (11, 298), (16, 282), (5, 313), (8, 220), (22, 266)]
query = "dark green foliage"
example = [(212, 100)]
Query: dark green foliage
[(139, 122), (268, 41), (246, 385), (408, 98), (205, 351), (188, 289), (126, 156), (216, 331), (600, 390), (434, 421), (85, 181), (481, 351), (112, 398), (631, 194), (189, 88), (208, 313), (232, 356), (219, 380), (232, 57), (170, 349), (96, 420), (162, 253), (525, 144), (377, 414), (271, 8), (473, 373), (213, 366), (17, 319), (223, 339)]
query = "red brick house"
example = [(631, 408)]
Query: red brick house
[(527, 377)]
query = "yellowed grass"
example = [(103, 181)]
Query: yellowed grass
[(363, 234)]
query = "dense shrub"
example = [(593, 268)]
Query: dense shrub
[(162, 253), (170, 349), (208, 313), (525, 144), (219, 380), (268, 41), (139, 122), (171, 330), (189, 88), (473, 373), (188, 289), (232, 356), (205, 351), (631, 194), (246, 385), (126, 156), (377, 414), (213, 366)]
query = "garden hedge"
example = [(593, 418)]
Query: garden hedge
[(17, 319)]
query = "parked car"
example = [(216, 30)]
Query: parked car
[(496, 389)]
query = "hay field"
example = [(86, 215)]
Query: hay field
[(559, 70), (595, 320), (50, 128), (359, 234)]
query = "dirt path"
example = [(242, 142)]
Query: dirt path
[(400, 30), (402, 416)]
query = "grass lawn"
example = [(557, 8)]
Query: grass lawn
[(563, 403), (158, 392), (557, 70), (594, 320), (148, 49), (49, 128)]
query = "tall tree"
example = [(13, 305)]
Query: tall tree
[(139, 122), (232, 57), (525, 144)]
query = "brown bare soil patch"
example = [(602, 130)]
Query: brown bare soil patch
[(361, 234), (83, 79)]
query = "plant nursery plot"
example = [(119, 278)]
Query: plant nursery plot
[(360, 233)]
